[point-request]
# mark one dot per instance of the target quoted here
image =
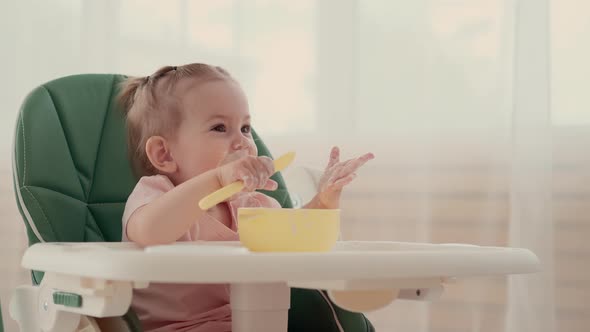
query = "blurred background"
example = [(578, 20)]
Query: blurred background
[(478, 112)]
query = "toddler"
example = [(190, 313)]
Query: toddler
[(189, 134)]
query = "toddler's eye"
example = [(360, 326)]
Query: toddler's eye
[(220, 128), (246, 129)]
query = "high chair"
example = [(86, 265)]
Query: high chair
[(72, 178)]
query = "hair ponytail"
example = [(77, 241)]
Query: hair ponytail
[(128, 93)]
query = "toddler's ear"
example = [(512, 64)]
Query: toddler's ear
[(158, 152)]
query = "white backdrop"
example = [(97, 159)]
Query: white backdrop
[(477, 111)]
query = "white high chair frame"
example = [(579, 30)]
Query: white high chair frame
[(100, 277)]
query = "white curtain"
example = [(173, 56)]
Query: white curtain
[(477, 111)]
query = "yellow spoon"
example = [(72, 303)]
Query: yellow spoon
[(231, 189)]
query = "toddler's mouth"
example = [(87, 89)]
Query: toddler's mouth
[(234, 155)]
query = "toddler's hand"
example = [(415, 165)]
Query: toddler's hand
[(254, 171), (336, 176)]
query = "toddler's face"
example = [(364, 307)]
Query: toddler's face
[(215, 128)]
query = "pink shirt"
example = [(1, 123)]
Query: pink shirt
[(196, 307)]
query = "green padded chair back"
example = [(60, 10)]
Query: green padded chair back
[(71, 171), (72, 176)]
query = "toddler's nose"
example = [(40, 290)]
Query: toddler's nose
[(240, 143)]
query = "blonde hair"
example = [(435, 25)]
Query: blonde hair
[(152, 108)]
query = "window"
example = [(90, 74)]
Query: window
[(269, 46)]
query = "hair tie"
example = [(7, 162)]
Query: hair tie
[(174, 68)]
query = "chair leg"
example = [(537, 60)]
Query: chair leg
[(260, 307)]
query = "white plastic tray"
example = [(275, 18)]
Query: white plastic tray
[(229, 262), (105, 273)]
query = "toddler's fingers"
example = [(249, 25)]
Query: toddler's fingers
[(340, 170), (251, 172), (334, 157), (250, 183), (265, 169), (246, 177), (268, 163), (357, 163), (262, 170), (270, 185), (343, 181), (255, 167)]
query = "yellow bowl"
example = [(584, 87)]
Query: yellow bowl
[(288, 230)]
